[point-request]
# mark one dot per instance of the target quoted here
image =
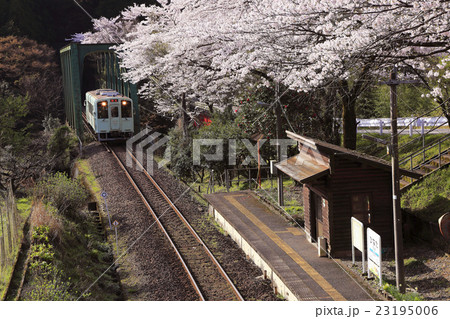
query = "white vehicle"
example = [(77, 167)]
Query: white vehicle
[(110, 114)]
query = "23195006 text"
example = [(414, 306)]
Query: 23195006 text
[(379, 311)]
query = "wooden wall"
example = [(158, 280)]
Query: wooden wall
[(317, 188), (352, 177), (307, 208)]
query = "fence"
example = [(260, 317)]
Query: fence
[(253, 176), (244, 178), (402, 121), (411, 122), (9, 235)]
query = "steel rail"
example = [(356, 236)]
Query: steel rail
[(147, 204), (191, 229)]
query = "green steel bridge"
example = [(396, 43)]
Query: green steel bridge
[(75, 58)]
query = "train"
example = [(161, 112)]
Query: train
[(109, 114)]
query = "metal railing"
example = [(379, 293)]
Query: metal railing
[(422, 137), (422, 152)]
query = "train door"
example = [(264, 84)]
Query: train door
[(115, 118), (102, 117), (126, 116)]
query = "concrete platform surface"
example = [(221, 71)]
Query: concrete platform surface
[(282, 251)]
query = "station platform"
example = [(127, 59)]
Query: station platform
[(282, 251)]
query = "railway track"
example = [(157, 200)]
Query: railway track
[(205, 273)]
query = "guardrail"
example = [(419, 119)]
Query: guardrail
[(411, 122), (402, 121)]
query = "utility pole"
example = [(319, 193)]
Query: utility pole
[(279, 134), (397, 212), (396, 207)]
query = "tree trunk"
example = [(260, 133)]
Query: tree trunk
[(445, 105), (349, 124), (349, 95), (446, 111), (184, 117), (210, 107)]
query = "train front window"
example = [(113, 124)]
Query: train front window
[(126, 108), (114, 111), (102, 108)]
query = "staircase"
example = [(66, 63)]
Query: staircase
[(425, 161)]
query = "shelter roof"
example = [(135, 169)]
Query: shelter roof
[(304, 167)]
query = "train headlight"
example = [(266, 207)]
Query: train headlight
[(104, 103), (124, 102)]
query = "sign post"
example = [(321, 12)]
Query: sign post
[(116, 223), (104, 195), (358, 240), (373, 254)]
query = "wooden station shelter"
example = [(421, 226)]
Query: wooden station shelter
[(338, 184)]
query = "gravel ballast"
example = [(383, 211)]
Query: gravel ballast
[(149, 269)]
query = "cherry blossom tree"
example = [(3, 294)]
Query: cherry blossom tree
[(209, 49)]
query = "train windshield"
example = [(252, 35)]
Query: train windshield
[(102, 110), (126, 108), (114, 111)]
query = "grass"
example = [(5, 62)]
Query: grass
[(412, 262), (294, 210), (5, 277), (87, 250), (430, 198), (89, 178), (409, 296), (83, 256), (24, 207), (78, 260), (206, 220)]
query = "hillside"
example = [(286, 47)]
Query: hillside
[(430, 198)]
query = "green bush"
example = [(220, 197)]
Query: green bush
[(40, 234), (50, 286), (43, 252), (61, 146), (294, 210), (62, 192)]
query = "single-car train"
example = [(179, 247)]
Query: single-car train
[(110, 114)]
